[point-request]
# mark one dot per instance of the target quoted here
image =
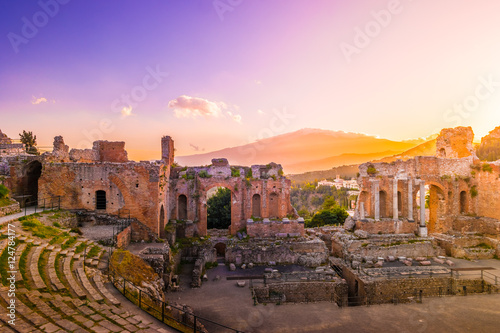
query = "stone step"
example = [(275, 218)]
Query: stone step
[(71, 280), (54, 279), (33, 267), (23, 310), (103, 290), (88, 286)]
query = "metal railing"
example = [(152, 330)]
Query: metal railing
[(50, 203), (170, 315)]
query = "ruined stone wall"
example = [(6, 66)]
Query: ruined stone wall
[(194, 183), (387, 226), (302, 292), (111, 151), (307, 253), (10, 209), (284, 228), (129, 187), (123, 238)]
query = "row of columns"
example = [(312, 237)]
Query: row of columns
[(376, 199)]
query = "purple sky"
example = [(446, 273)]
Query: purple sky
[(243, 70)]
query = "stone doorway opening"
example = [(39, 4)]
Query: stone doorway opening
[(219, 208), (30, 192)]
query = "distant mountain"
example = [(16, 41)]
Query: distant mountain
[(425, 149), (302, 147), (335, 161)]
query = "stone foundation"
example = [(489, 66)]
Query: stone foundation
[(11, 209), (283, 228)]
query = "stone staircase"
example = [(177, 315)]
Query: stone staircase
[(56, 293)]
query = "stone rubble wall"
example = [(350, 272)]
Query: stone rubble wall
[(284, 228)]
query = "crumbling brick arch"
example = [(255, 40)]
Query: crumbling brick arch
[(464, 202), (205, 186)]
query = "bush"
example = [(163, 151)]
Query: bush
[(487, 168), (473, 191), (336, 215), (204, 174), (235, 172), (4, 191), (371, 170)]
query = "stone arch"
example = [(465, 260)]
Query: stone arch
[(442, 153), (256, 205), (463, 203), (100, 200), (274, 205), (363, 202), (161, 222), (182, 206), (33, 172), (383, 204), (217, 221)]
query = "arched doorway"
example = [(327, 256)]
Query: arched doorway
[(221, 249), (161, 222), (182, 207), (383, 204), (33, 173), (256, 206), (463, 202), (100, 200), (219, 208), (273, 205), (442, 153)]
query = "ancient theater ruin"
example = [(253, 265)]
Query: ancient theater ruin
[(102, 179)]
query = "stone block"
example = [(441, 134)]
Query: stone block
[(241, 284), (232, 267), (425, 263)]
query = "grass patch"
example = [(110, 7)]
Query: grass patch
[(59, 238), (68, 243), (22, 264), (6, 202), (482, 246), (80, 248), (93, 251), (56, 224), (42, 263), (210, 265), (38, 229)]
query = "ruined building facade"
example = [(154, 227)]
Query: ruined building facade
[(463, 193), (102, 179)]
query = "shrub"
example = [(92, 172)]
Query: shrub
[(4, 191), (371, 170), (249, 174), (204, 174), (235, 172), (473, 191), (336, 215), (487, 168)]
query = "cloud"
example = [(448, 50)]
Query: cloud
[(235, 117), (258, 82), (126, 111), (259, 111), (186, 106), (36, 101), (193, 107)]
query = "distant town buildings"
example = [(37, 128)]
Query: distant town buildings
[(340, 183)]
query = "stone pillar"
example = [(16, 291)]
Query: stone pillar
[(422, 230), (376, 199), (395, 213), (362, 210), (422, 203), (410, 199)]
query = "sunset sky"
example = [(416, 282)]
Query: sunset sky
[(214, 74)]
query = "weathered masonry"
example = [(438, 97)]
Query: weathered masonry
[(457, 185), (153, 192)]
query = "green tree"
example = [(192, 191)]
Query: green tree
[(336, 215), (30, 141), (219, 209), (329, 203)]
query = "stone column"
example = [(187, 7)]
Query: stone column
[(376, 199), (422, 203), (362, 210), (395, 213), (410, 199)]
